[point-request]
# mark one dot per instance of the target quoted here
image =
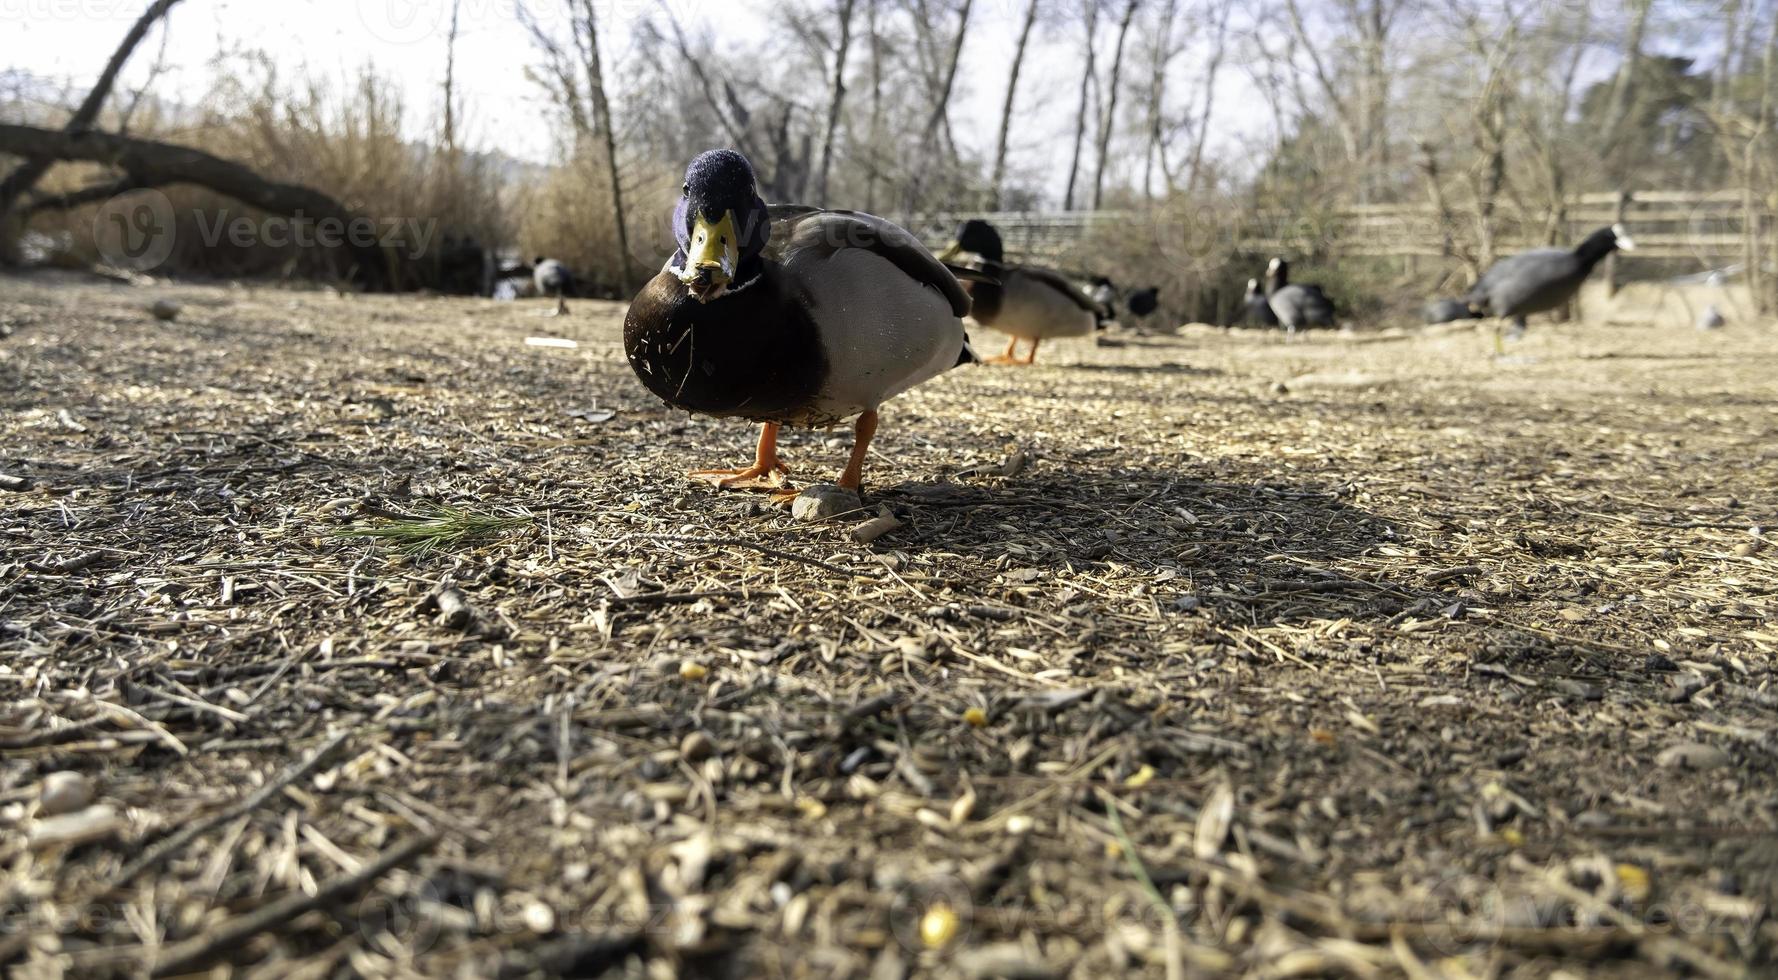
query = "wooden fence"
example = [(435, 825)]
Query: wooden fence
[(1699, 230)]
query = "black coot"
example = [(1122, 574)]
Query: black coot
[(1542, 279), (1296, 305)]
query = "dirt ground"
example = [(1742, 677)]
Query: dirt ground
[(1190, 655)]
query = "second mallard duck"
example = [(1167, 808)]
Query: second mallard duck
[(1026, 302), (789, 316)]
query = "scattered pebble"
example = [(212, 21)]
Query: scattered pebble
[(696, 747), (824, 502), (63, 793), (1579, 689), (165, 309), (1694, 756)]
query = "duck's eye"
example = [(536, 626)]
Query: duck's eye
[(685, 190)]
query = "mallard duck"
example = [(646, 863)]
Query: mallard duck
[(1025, 302), (789, 316), (1541, 279), (553, 279), (1296, 305)]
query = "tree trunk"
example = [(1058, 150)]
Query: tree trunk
[(450, 94), (1110, 120), (1157, 89), (940, 105), (26, 174), (1080, 114), (1622, 95), (1195, 174), (833, 106), (995, 188), (876, 106), (595, 72)]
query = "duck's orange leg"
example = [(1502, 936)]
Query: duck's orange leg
[(766, 473), (863, 431), (1006, 358), (1031, 358)]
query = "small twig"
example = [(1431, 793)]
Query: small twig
[(195, 704), (184, 956), (172, 845), (669, 598)]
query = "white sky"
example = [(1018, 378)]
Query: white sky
[(405, 41)]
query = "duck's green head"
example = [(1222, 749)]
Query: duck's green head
[(720, 224)]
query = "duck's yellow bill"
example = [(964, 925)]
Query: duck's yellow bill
[(951, 251), (714, 252)]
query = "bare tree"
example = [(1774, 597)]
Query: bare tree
[(1012, 87), (1162, 50), (450, 83), (941, 101), (839, 95), (565, 71), (1623, 92), (1358, 94), (1087, 76), (876, 103), (1108, 117), (1742, 135), (1201, 120)]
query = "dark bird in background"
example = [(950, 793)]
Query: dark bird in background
[(789, 316), (462, 266), (1255, 310), (1540, 280), (553, 279), (1025, 302), (1143, 302), (1297, 305), (1447, 311)]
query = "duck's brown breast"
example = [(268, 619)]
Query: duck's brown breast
[(754, 353)]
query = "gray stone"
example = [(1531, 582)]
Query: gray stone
[(824, 502), (1692, 755)]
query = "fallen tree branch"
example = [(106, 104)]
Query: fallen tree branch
[(90, 194), (172, 845), (26, 174), (185, 956), (149, 162)]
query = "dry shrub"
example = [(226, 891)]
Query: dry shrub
[(566, 215), (348, 144)]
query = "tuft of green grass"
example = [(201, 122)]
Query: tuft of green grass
[(438, 527)]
